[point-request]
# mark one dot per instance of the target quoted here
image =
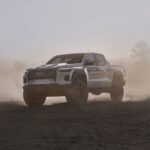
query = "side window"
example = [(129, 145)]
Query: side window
[(100, 60), (57, 60), (91, 57)]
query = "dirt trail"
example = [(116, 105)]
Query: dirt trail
[(98, 125)]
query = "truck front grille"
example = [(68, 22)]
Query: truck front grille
[(44, 74)]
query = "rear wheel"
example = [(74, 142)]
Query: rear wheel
[(32, 99), (78, 94), (117, 94), (117, 90)]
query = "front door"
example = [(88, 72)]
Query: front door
[(93, 72), (103, 71)]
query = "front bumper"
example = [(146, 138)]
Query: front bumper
[(53, 89)]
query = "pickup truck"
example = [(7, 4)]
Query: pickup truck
[(73, 76)]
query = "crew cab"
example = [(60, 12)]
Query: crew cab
[(73, 76)]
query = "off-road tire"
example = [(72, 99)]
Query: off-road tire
[(78, 93), (117, 94), (117, 90), (32, 99)]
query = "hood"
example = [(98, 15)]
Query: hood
[(55, 66)]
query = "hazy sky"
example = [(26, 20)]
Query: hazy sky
[(42, 28)]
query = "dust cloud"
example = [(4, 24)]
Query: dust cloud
[(11, 73), (137, 67)]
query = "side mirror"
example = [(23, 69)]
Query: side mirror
[(89, 62)]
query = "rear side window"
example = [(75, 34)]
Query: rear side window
[(100, 60)]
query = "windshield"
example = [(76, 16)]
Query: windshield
[(68, 59)]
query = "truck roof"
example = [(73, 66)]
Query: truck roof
[(80, 53)]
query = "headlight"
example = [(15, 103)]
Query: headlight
[(25, 77)]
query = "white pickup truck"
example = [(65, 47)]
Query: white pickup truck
[(73, 76)]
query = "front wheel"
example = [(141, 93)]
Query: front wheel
[(32, 99), (78, 94), (117, 94)]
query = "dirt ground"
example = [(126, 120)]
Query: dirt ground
[(99, 125)]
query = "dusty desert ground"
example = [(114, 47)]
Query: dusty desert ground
[(99, 125)]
